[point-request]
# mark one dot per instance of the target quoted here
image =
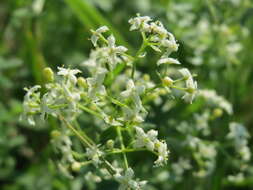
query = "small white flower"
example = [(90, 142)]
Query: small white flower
[(127, 182), (96, 34), (168, 61), (95, 84), (134, 93), (212, 98), (111, 121), (145, 139), (31, 104), (239, 134), (139, 22), (94, 154), (69, 74), (163, 153), (113, 52), (191, 85)]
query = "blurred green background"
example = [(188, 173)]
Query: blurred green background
[(216, 42)]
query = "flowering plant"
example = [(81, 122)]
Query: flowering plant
[(117, 96)]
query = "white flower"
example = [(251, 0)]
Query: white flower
[(69, 74), (239, 134), (94, 154), (207, 151), (168, 61), (134, 93), (90, 177), (237, 131), (186, 73), (95, 84), (113, 51), (163, 152), (145, 139), (140, 22), (158, 28), (127, 182), (96, 34), (212, 98), (31, 104), (236, 178), (111, 121), (191, 85)]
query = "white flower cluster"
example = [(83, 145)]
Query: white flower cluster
[(158, 35), (191, 85), (149, 140), (239, 135), (180, 167), (132, 93), (116, 94), (94, 154), (31, 104), (204, 154), (63, 95), (212, 98), (127, 182)]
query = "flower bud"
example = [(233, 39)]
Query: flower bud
[(48, 74), (55, 134), (110, 144), (217, 112), (146, 77), (167, 81), (82, 82), (76, 166)]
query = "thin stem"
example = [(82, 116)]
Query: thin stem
[(115, 101), (83, 133), (122, 146), (139, 52), (88, 110), (179, 88), (126, 150), (179, 80), (83, 139)]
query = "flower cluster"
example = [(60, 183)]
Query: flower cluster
[(149, 140), (117, 95)]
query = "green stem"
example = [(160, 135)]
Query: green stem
[(126, 150), (139, 52), (122, 146), (88, 110), (83, 139), (83, 133), (179, 88)]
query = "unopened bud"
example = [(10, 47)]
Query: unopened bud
[(48, 74), (76, 166), (167, 81), (82, 82), (110, 144), (217, 112), (146, 77), (55, 134)]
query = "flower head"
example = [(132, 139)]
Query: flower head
[(127, 182), (96, 34)]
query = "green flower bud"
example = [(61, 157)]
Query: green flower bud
[(217, 112), (167, 81), (110, 144), (190, 90), (82, 82), (76, 166), (146, 77), (55, 134), (48, 74)]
